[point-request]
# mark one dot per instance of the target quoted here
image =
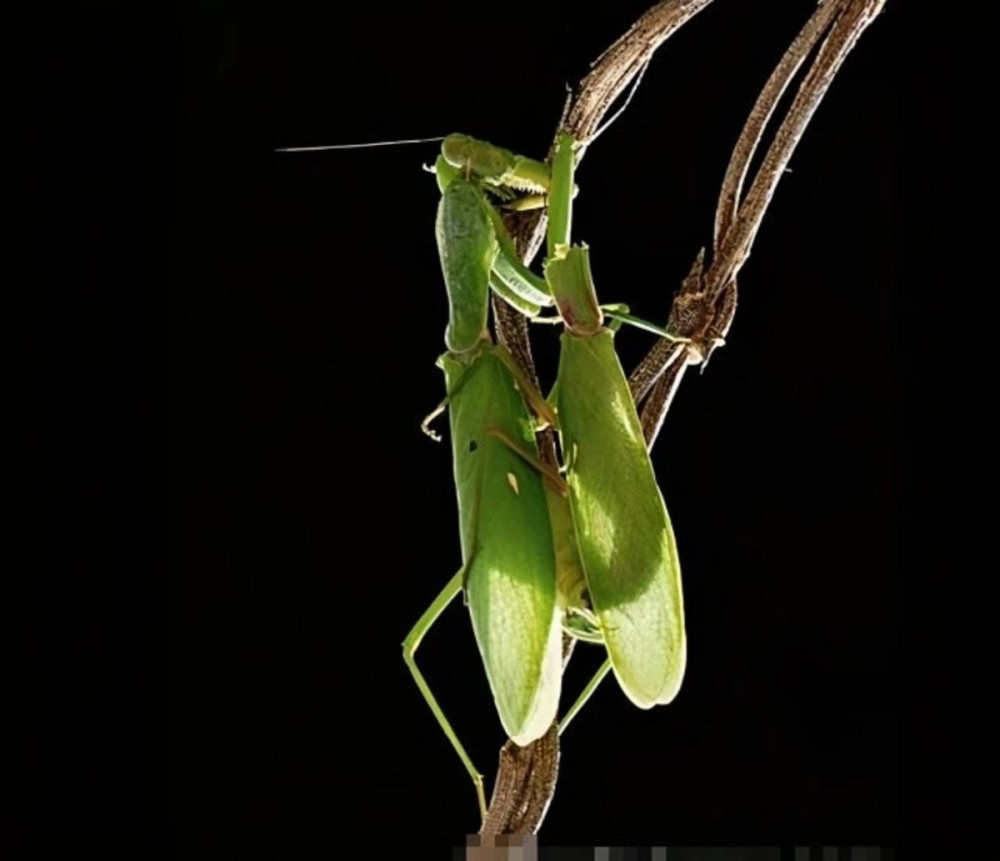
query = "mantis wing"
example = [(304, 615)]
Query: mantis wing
[(506, 543), (624, 534)]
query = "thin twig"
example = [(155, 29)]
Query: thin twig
[(705, 311), (774, 89), (852, 17), (614, 70)]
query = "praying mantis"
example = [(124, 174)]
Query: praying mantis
[(587, 550)]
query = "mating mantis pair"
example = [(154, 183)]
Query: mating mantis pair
[(587, 549)]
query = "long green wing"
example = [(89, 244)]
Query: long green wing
[(625, 538), (506, 543)]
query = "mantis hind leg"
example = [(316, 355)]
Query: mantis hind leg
[(585, 695), (410, 644)]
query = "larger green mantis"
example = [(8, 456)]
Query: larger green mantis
[(508, 572), (588, 550)]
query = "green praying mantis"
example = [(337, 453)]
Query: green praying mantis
[(587, 549)]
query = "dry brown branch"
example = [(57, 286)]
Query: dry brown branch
[(616, 68), (746, 146), (704, 306), (525, 784), (704, 311), (846, 22)]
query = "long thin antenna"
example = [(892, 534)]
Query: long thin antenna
[(358, 145)]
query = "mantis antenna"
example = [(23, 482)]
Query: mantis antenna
[(358, 145), (405, 141)]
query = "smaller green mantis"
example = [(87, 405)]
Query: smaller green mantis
[(593, 553), (509, 565)]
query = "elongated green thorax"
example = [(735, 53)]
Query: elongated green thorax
[(572, 285), (561, 196), (467, 247), (506, 541)]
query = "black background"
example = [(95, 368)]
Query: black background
[(311, 522)]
